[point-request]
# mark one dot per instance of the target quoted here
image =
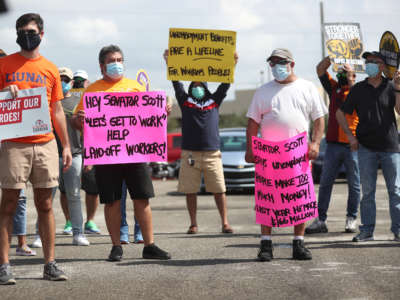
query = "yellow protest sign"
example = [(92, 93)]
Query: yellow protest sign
[(201, 55), (389, 47)]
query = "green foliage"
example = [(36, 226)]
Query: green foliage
[(233, 120)]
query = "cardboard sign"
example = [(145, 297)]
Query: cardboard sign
[(389, 47), (124, 127), (201, 55), (26, 115), (284, 190), (344, 44)]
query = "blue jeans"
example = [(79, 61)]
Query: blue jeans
[(390, 164), (335, 156), (124, 229), (70, 184), (19, 219)]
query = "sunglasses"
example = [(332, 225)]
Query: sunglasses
[(65, 79), (278, 62)]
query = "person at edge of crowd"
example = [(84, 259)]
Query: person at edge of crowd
[(18, 157), (281, 109), (201, 153), (19, 219), (375, 99), (109, 178), (337, 151)]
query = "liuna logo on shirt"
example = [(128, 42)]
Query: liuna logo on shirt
[(40, 126)]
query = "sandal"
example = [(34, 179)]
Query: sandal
[(227, 229), (192, 229)]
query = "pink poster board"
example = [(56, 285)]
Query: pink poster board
[(284, 190), (124, 127)]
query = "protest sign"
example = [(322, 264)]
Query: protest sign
[(389, 47), (26, 115), (124, 127), (284, 190), (344, 44), (201, 55)]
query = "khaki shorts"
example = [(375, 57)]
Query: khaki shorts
[(207, 162), (21, 162)]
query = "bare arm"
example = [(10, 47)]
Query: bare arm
[(318, 132), (252, 130), (323, 66), (60, 126), (340, 117)]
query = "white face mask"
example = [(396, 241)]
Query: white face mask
[(115, 69), (280, 72)]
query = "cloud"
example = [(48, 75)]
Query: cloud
[(89, 31), (240, 14)]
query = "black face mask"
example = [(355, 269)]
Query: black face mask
[(28, 41)]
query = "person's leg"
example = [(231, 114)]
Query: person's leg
[(89, 185), (112, 214), (191, 204), (144, 216), (64, 206), (124, 229), (220, 201), (265, 249), (390, 163)]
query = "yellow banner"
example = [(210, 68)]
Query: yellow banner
[(389, 47), (201, 55)]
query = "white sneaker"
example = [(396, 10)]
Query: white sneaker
[(37, 242), (80, 240), (351, 225)]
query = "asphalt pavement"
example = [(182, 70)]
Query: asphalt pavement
[(212, 265)]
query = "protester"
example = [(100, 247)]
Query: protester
[(337, 151), (109, 178), (200, 154), (374, 100), (281, 109), (18, 156)]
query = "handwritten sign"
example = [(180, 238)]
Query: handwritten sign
[(389, 47), (26, 115), (344, 44), (124, 127), (284, 190), (201, 55)]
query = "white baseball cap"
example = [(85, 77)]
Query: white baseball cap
[(81, 73)]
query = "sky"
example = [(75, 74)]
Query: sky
[(75, 31)]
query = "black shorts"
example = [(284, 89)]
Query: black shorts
[(109, 180), (89, 182)]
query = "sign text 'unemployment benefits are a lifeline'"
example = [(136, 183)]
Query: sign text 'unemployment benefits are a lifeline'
[(201, 55), (26, 115), (284, 190), (124, 127)]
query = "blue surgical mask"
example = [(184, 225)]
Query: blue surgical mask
[(371, 69), (280, 72), (65, 87), (115, 69), (198, 92)]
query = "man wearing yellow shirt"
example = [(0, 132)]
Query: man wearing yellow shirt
[(109, 178)]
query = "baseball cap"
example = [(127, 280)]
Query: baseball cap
[(81, 74), (281, 53), (64, 71), (374, 53)]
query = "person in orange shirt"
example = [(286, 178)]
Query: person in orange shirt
[(33, 158), (110, 177)]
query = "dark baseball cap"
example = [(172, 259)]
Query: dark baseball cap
[(374, 53)]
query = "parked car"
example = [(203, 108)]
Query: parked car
[(174, 145)]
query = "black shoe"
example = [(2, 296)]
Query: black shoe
[(153, 252), (300, 252), (53, 273), (265, 251), (115, 254)]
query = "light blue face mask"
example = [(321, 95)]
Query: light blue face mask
[(371, 69), (280, 72), (198, 92), (65, 87), (115, 69)]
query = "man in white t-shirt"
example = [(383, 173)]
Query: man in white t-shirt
[(281, 109)]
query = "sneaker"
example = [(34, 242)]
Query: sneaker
[(37, 242), (137, 237), (265, 251), (396, 238), (153, 252), (25, 251), (124, 238), (90, 228), (6, 277), (363, 237), (53, 273), (300, 252), (351, 225), (80, 240), (317, 226), (115, 254), (68, 228)]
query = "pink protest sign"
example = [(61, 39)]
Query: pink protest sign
[(124, 127), (284, 190)]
